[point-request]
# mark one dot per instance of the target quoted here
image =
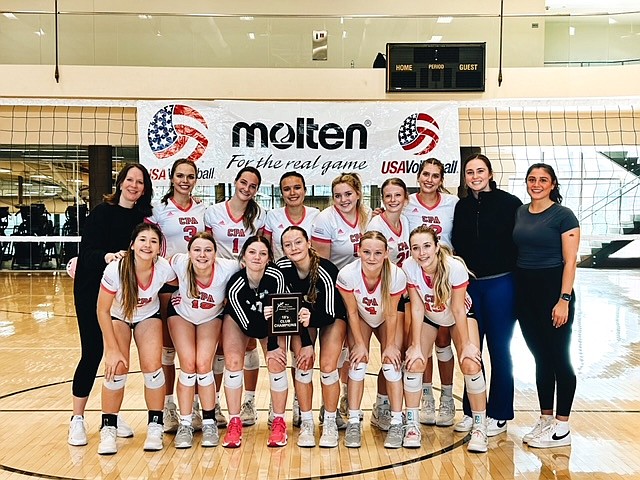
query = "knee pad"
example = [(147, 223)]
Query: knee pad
[(304, 376), (412, 382), (358, 372), (117, 383), (329, 378), (206, 379), (168, 356), (187, 379), (390, 373), (252, 360), (233, 380), (279, 382), (344, 354), (218, 365), (154, 380), (444, 354), (475, 383)]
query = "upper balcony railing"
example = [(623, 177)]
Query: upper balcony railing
[(220, 41)]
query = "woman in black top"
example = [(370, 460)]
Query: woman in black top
[(246, 315), (482, 235), (547, 235), (314, 278), (106, 236)]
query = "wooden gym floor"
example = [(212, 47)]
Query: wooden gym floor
[(39, 348)]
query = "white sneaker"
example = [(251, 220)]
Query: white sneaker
[(170, 416), (495, 427), (221, 420), (381, 416), (446, 412), (540, 425), (123, 430), (412, 436), (184, 436), (479, 441), (248, 413), (549, 438), (210, 435), (306, 437), (465, 425), (107, 441), (77, 431), (329, 438), (428, 410), (153, 442)]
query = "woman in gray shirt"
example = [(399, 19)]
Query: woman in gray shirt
[(547, 236)]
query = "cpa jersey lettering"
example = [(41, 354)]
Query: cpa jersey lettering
[(416, 278), (229, 232), (148, 301), (278, 220), (351, 279), (177, 225), (210, 303), (331, 227), (439, 216), (397, 241)]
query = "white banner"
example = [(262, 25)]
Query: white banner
[(318, 139)]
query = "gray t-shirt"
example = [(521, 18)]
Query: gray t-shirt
[(538, 235)]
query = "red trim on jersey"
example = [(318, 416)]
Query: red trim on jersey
[(462, 285), (266, 231), (236, 220), (180, 208), (427, 206), (427, 279), (321, 240), (202, 285), (107, 290), (412, 285), (340, 287), (153, 272), (355, 224), (286, 214), (370, 290), (397, 233)]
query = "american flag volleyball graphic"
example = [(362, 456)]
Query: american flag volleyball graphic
[(178, 129), (419, 133)]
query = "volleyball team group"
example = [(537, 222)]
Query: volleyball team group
[(197, 281)]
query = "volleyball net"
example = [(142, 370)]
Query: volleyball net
[(591, 143)]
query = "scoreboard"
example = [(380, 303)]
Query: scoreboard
[(435, 67)]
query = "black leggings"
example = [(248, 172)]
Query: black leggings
[(91, 344), (537, 292)]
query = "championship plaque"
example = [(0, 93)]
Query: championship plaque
[(284, 320)]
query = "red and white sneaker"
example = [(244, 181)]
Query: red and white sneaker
[(278, 437), (233, 437)]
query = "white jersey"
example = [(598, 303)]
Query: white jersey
[(210, 303), (229, 232), (278, 220), (439, 216), (416, 278), (351, 279), (177, 225), (331, 227), (148, 301), (398, 241)]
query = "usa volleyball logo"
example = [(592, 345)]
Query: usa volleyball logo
[(418, 133), (178, 129)]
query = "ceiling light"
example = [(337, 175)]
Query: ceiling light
[(5, 170), (40, 33), (612, 21), (246, 19), (251, 35), (444, 20), (435, 38), (344, 34), (572, 31), (144, 17), (39, 176), (10, 16)]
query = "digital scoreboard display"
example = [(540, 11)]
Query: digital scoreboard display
[(435, 67)]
